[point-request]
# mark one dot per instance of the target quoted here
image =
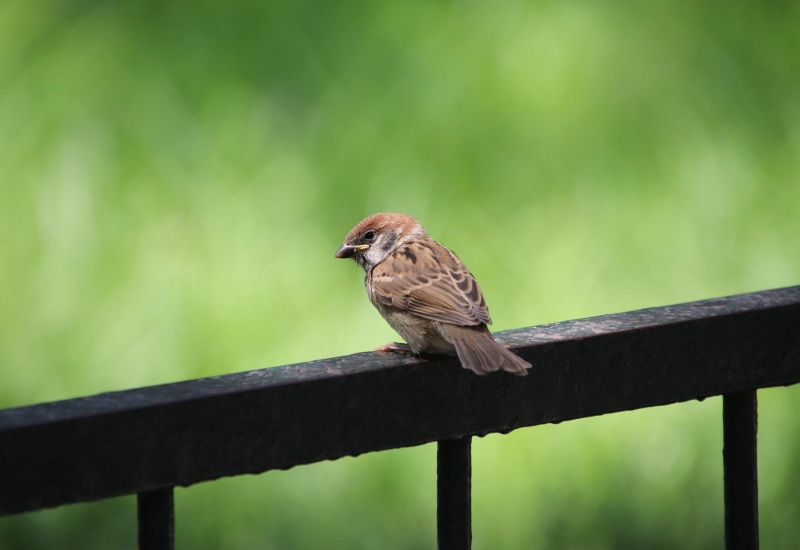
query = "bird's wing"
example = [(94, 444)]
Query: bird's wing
[(429, 280)]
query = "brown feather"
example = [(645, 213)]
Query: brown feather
[(436, 286), (479, 352), (382, 222)]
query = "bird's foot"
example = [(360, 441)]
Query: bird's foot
[(395, 347)]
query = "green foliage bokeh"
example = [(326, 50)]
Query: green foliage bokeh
[(176, 176)]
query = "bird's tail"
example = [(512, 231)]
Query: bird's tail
[(478, 351)]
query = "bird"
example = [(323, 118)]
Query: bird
[(426, 293)]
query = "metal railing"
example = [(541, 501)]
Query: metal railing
[(147, 441)]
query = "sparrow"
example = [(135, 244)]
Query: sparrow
[(426, 294)]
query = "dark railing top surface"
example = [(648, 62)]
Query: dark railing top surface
[(183, 433)]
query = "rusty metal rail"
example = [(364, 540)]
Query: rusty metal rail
[(147, 441)]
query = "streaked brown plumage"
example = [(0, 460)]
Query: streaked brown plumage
[(426, 293)]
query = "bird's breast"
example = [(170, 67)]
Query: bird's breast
[(422, 335)]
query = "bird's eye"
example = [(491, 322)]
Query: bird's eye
[(369, 235)]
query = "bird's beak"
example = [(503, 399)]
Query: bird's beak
[(347, 250)]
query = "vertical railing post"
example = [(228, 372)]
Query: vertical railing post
[(156, 514), (740, 428), (454, 493)]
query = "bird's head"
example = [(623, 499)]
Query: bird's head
[(374, 238)]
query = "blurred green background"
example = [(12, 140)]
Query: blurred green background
[(176, 176)]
